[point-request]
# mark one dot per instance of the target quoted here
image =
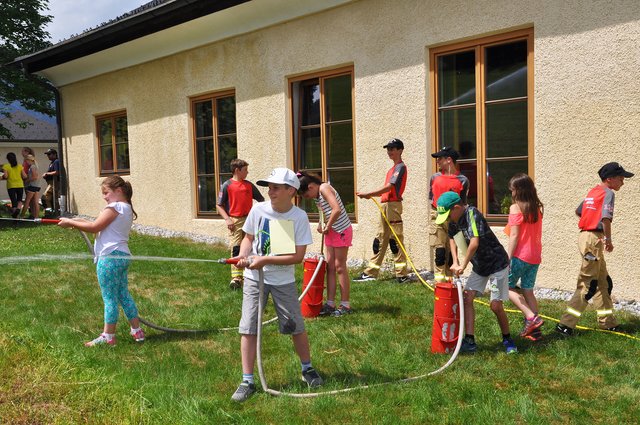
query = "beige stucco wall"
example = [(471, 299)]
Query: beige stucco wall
[(587, 112)]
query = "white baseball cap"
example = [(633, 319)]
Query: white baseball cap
[(281, 176)]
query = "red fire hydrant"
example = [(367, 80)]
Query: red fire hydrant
[(446, 318)]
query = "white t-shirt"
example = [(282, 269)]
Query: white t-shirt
[(116, 235), (257, 224)]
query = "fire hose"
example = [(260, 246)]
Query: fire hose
[(263, 379)]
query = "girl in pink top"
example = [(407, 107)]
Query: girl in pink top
[(525, 251)]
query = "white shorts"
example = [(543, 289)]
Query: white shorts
[(498, 284)]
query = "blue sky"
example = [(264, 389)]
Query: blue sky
[(72, 17)]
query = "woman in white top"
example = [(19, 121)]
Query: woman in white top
[(111, 256)]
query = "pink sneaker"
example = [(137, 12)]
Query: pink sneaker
[(101, 340), (138, 335)]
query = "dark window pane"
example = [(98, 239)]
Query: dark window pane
[(121, 130), (226, 110), (122, 156), (106, 158), (506, 70), (470, 170), (456, 79), (338, 98), (310, 103), (507, 131), (224, 177), (206, 194), (309, 205), (310, 149), (105, 132), (204, 153), (343, 181), (227, 151), (339, 145), (458, 129), (498, 175), (204, 119)]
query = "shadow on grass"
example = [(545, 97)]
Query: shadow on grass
[(380, 309), (180, 336)]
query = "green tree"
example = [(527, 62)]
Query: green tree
[(22, 32)]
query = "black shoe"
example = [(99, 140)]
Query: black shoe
[(364, 278), (403, 279), (468, 346), (311, 377), (564, 330), (614, 329)]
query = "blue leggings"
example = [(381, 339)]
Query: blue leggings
[(114, 285)]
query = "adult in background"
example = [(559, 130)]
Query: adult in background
[(13, 173), (448, 179), (52, 177), (391, 199)]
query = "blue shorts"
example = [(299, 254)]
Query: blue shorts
[(524, 272)]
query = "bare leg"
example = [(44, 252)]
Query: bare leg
[(469, 312), (531, 300), (27, 201), (248, 352), (109, 328), (301, 345), (519, 300), (35, 205), (135, 323), (331, 274), (503, 321), (340, 256)]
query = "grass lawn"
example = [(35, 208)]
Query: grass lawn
[(48, 309)]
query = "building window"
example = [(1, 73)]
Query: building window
[(113, 143), (322, 133), (214, 145), (482, 92)]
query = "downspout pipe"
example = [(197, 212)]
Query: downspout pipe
[(58, 99)]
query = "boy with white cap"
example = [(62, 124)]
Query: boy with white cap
[(256, 252)]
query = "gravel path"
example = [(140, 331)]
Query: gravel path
[(631, 306)]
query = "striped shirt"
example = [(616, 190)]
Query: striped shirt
[(343, 222)]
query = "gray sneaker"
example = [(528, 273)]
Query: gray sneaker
[(311, 377), (327, 310), (342, 311), (243, 392)]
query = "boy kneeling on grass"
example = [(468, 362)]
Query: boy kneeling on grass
[(490, 264), (257, 252)]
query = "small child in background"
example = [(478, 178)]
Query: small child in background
[(256, 252), (338, 235), (490, 265), (235, 200), (525, 251), (111, 250)]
